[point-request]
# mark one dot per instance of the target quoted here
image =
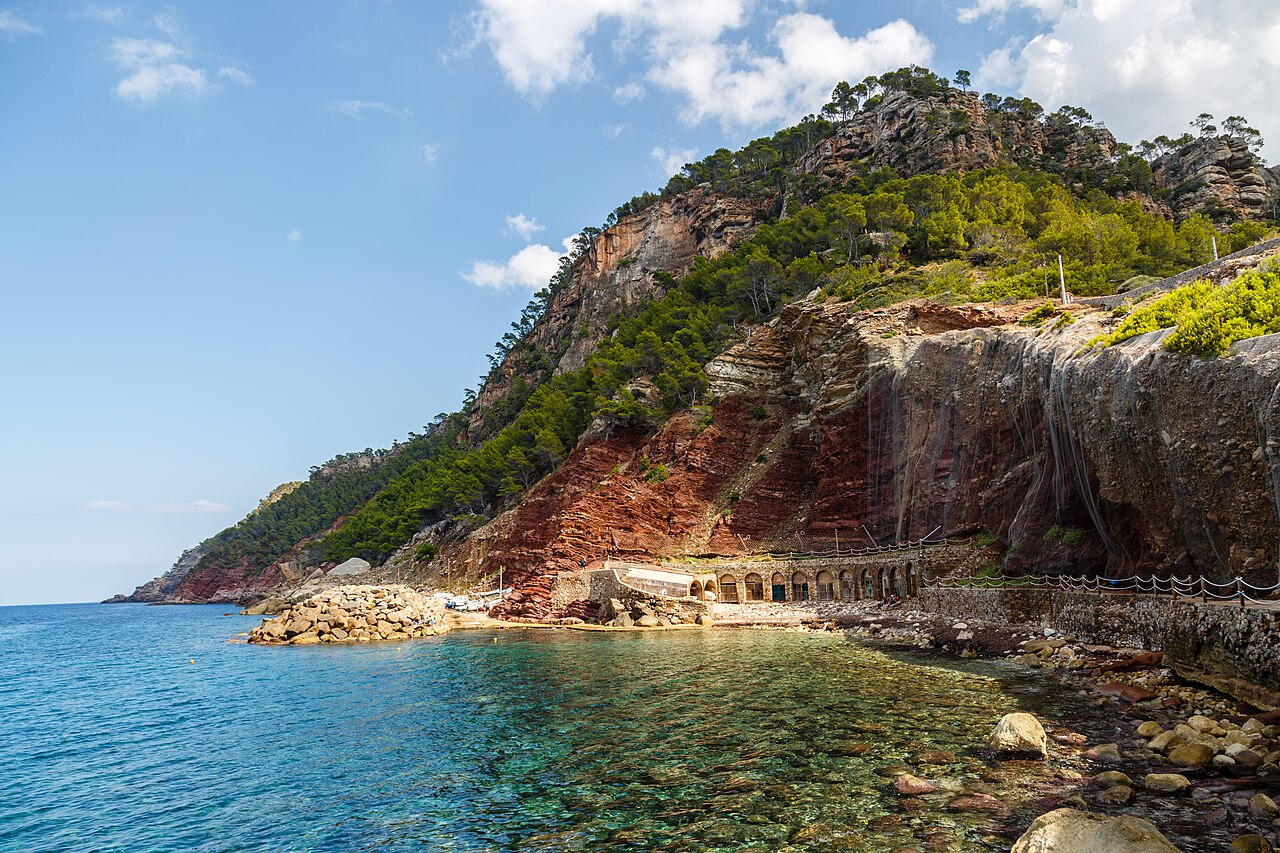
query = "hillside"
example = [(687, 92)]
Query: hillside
[(819, 333)]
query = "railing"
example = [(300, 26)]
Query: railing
[(1174, 281), (841, 552), (1200, 588)]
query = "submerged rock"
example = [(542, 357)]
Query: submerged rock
[(1019, 734), (1072, 831), (912, 786)]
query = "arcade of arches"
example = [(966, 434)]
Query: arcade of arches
[(868, 582)]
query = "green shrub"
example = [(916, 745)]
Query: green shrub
[(657, 473), (425, 552), (1038, 315)]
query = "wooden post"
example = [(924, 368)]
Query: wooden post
[(1062, 280)]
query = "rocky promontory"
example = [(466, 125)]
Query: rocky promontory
[(355, 614)]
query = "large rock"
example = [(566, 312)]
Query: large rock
[(1191, 755), (1072, 831), (354, 566), (1019, 734)]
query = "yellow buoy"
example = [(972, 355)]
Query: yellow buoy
[(193, 660)]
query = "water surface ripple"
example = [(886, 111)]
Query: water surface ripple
[(112, 739)]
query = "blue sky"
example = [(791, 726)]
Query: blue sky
[(239, 238)]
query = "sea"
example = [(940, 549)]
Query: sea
[(127, 727)]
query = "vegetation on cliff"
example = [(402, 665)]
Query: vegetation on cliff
[(1207, 319), (981, 236), (873, 237)]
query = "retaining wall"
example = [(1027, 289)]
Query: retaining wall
[(1233, 649)]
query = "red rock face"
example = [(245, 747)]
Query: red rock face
[(1115, 462), (217, 583)]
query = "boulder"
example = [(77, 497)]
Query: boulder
[(1166, 783), (1262, 806), (1251, 844), (1107, 753), (1072, 831), (1120, 795), (1112, 778), (1019, 734), (1149, 729), (648, 620), (1191, 755)]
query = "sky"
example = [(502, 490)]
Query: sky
[(239, 238)]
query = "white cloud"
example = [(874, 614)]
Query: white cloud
[(1148, 66), (356, 109), (154, 70), (530, 268), (613, 131), (628, 92), (109, 506), (671, 161), (543, 44), (430, 153), (14, 27), (110, 15), (525, 226), (1043, 9), (167, 23), (237, 76), (159, 67), (294, 236), (200, 505)]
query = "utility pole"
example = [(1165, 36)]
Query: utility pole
[(1062, 280), (1214, 238)]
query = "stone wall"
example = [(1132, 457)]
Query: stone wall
[(1233, 649)]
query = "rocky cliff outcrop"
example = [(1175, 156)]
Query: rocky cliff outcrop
[(1217, 175), (618, 270), (920, 419), (953, 132)]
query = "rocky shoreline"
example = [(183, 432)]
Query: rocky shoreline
[(1202, 767)]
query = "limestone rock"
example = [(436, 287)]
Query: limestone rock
[(1019, 733), (1112, 778), (1167, 783), (1191, 755), (1072, 831), (1251, 844), (355, 614), (1262, 806), (354, 566), (1120, 795)]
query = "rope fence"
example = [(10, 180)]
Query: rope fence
[(1201, 588)]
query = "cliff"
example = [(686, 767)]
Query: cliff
[(1218, 176), (918, 418), (952, 132), (883, 424)]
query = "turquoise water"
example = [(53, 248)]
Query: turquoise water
[(111, 739)]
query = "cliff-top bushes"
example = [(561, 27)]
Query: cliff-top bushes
[(1208, 319)]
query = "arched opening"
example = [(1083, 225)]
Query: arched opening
[(799, 587), (709, 590), (826, 586), (695, 590), (846, 586), (755, 587), (728, 589), (866, 584), (779, 584), (912, 586), (892, 589), (884, 583)]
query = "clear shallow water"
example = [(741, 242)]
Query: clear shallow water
[(692, 741)]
